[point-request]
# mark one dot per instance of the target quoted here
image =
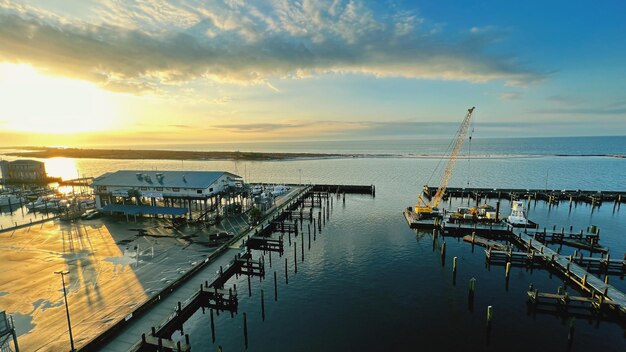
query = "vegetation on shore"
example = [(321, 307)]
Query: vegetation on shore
[(47, 152)]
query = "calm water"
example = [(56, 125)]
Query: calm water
[(485, 147), (369, 283)]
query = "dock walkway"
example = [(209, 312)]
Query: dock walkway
[(154, 317), (588, 282)]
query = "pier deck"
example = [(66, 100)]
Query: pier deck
[(587, 282), (125, 336), (553, 196)]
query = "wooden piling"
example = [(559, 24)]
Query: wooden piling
[(454, 266), (286, 272), (262, 306), (295, 259), (212, 325), (570, 333), (472, 287), (489, 314), (275, 288), (245, 329), (249, 287)]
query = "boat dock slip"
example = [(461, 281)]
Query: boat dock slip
[(152, 324), (534, 243), (587, 196), (483, 242), (571, 270)]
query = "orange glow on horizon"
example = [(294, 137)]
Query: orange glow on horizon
[(35, 103)]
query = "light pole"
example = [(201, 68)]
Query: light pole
[(67, 309)]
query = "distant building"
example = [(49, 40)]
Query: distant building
[(23, 171), (135, 186)]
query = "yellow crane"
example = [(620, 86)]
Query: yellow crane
[(424, 209)]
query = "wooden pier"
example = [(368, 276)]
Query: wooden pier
[(534, 242), (585, 281), (192, 292), (266, 244), (592, 197)]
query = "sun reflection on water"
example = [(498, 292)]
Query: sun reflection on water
[(61, 167)]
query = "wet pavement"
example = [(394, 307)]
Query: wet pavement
[(114, 266)]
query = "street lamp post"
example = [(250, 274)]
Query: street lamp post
[(67, 309)]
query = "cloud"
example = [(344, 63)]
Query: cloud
[(583, 111), (510, 96), (138, 46), (181, 126), (566, 100)]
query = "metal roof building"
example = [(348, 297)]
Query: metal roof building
[(165, 179), (171, 188)]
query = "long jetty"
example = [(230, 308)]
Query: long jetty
[(594, 197), (151, 325)]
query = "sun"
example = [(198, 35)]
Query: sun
[(33, 102)]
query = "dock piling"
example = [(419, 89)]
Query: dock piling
[(262, 306), (275, 288), (570, 333), (508, 270), (489, 314), (472, 288), (245, 329)]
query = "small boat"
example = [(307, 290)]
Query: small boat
[(10, 199), (279, 190), (256, 190), (518, 217), (52, 205), (40, 201)]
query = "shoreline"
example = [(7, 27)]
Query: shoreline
[(140, 154)]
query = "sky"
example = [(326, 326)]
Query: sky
[(113, 72)]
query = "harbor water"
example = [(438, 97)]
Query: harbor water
[(369, 283)]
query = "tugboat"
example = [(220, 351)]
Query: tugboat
[(518, 217)]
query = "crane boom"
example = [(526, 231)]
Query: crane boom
[(459, 139), (454, 155)]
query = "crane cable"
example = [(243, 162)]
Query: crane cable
[(469, 154), (445, 156)]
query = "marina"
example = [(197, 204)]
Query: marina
[(296, 175), (276, 236)]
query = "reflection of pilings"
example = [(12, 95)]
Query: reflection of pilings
[(8, 329)]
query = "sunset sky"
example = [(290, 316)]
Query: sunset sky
[(89, 72)]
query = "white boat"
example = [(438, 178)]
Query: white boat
[(279, 190), (257, 190), (41, 201), (10, 199), (87, 204), (518, 215), (52, 205)]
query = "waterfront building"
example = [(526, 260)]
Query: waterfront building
[(23, 170), (165, 191)]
